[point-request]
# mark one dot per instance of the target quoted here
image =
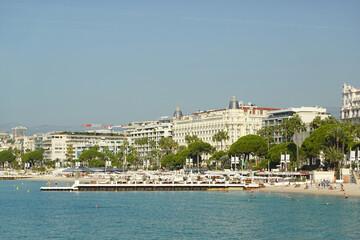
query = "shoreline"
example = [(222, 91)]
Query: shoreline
[(351, 189)]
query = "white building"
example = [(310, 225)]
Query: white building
[(350, 110), (307, 114), (237, 120), (57, 145), (19, 131), (153, 130), (25, 143)]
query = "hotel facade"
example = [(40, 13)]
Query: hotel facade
[(237, 120), (350, 110)]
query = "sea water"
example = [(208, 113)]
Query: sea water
[(28, 213)]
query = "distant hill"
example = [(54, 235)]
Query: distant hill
[(7, 127)]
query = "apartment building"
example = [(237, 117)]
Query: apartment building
[(153, 130), (57, 144), (307, 114)]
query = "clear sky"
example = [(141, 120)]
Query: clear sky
[(74, 62)]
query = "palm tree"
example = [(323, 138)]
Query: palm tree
[(297, 126), (268, 133), (220, 137), (198, 148), (191, 138), (69, 152), (336, 134), (142, 142), (315, 123), (167, 144), (332, 157), (124, 150), (283, 128)]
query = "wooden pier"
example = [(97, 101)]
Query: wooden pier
[(147, 187)]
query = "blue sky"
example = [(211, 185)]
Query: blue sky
[(74, 62)]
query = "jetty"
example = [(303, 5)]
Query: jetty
[(195, 186)]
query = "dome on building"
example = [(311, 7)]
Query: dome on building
[(234, 104), (178, 114)]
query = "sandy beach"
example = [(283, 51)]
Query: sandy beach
[(351, 189)]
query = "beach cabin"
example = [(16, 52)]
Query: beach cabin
[(319, 176)]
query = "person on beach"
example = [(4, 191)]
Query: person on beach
[(55, 183), (49, 183)]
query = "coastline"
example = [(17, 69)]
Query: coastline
[(351, 189)]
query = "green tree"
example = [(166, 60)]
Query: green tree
[(199, 147), (249, 145), (336, 134), (141, 142), (329, 120), (96, 147), (19, 153), (88, 155), (70, 152), (282, 148), (296, 126), (316, 123), (191, 139), (268, 133), (220, 137), (153, 156), (284, 129), (181, 157), (15, 165), (152, 143), (318, 141), (168, 160), (95, 162), (34, 157), (217, 156), (332, 157), (167, 144), (6, 156)]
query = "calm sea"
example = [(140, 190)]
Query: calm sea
[(171, 215)]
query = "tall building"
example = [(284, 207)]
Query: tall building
[(56, 145), (19, 132), (153, 130), (237, 120), (307, 114), (350, 110)]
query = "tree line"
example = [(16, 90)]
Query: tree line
[(328, 139)]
